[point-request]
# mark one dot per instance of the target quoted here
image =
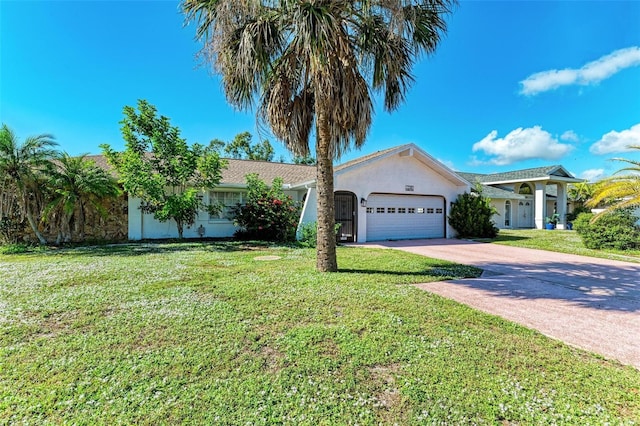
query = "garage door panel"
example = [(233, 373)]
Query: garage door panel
[(404, 217)]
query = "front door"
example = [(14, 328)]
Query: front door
[(345, 205), (525, 214)]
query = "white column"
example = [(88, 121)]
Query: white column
[(541, 204), (561, 204)]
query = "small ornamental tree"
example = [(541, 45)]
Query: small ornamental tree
[(159, 167), (268, 214), (471, 216)]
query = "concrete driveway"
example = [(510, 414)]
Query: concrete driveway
[(590, 303)]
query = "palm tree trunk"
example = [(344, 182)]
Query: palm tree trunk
[(34, 228), (326, 260)]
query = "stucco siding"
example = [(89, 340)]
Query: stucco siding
[(404, 175), (144, 226)]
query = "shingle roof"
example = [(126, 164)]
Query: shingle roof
[(496, 193), (524, 174), (290, 173), (236, 171)]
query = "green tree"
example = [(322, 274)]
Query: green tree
[(308, 160), (22, 170), (620, 191), (77, 183), (161, 169), (580, 192), (306, 64), (242, 148)]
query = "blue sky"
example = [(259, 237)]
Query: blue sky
[(514, 84)]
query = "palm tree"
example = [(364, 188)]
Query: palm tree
[(306, 64), (620, 191), (76, 183), (21, 166)]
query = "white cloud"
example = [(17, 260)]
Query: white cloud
[(617, 141), (592, 175), (569, 136), (590, 73), (521, 144)]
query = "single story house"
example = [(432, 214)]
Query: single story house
[(524, 198), (398, 193)]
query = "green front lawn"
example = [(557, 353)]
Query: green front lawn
[(561, 241), (215, 334)]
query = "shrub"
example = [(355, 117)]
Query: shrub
[(471, 216), (15, 248), (571, 217), (268, 214), (615, 230), (309, 234)]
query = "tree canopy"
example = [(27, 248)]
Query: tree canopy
[(241, 147), (314, 65), (160, 168), (23, 168), (620, 191)]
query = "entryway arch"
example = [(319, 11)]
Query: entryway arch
[(346, 215)]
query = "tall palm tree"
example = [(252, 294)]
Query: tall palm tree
[(313, 65), (21, 166), (77, 183), (619, 191)]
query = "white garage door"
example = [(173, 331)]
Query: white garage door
[(398, 217)]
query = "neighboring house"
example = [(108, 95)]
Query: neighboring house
[(524, 198), (398, 193)]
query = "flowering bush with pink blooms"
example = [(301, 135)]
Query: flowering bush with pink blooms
[(268, 214)]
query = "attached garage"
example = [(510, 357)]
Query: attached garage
[(397, 217)]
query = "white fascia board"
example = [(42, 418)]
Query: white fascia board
[(303, 185)]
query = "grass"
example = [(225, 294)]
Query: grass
[(562, 241), (210, 334)]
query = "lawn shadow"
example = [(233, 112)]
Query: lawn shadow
[(597, 286), (442, 271), (140, 248)]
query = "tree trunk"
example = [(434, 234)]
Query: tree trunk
[(326, 260), (34, 228), (81, 222), (180, 226)]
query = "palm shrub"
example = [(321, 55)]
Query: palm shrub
[(268, 214), (615, 230), (471, 214)]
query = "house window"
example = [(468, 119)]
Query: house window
[(525, 189), (438, 211), (507, 213), (226, 201), (369, 209), (411, 210), (402, 210), (420, 210), (430, 210), (379, 209), (391, 209)]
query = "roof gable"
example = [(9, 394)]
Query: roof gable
[(408, 150)]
